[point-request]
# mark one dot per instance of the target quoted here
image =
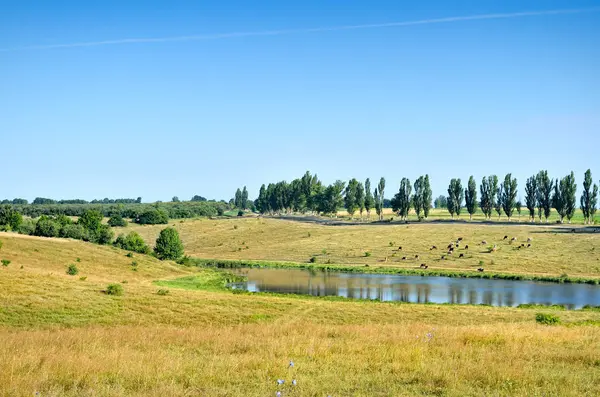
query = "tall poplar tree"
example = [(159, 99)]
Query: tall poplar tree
[(471, 197)]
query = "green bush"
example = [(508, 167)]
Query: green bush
[(117, 221), (5, 262), (11, 218), (162, 292), (313, 259), (114, 289), (547, 319), (77, 232), (132, 242), (168, 245), (153, 217), (240, 213), (103, 235), (83, 278), (367, 253), (72, 270), (91, 220), (27, 227), (46, 227)]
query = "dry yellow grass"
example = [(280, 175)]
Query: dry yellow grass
[(61, 336), (553, 251)]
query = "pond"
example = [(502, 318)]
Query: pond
[(417, 289)]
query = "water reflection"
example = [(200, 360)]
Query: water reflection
[(418, 289)]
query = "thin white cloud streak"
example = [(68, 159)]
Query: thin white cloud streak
[(220, 36)]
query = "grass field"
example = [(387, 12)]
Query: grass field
[(554, 251), (62, 336)]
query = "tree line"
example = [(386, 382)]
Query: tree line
[(542, 193)]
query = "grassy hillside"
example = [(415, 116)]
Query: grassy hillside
[(62, 336), (554, 250)]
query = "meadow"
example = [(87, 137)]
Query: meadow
[(554, 250), (62, 335)]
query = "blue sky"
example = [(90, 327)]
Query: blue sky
[(185, 117)]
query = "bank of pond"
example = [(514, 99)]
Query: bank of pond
[(414, 286)]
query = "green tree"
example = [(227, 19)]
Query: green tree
[(168, 245), (427, 196), (237, 201), (593, 203), (350, 201), (244, 198), (544, 194), (369, 200), (558, 200), (498, 202), (570, 195), (331, 198), (519, 206), (488, 190), (117, 221), (455, 197), (531, 195), (360, 198), (508, 196), (441, 202), (586, 197), (381, 196), (46, 227), (417, 198), (10, 218), (261, 201), (91, 220), (132, 242), (471, 197), (153, 216), (402, 200), (175, 199)]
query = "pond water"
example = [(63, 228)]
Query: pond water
[(417, 289)]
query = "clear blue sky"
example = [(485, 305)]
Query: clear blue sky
[(184, 117)]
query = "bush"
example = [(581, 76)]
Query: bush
[(11, 218), (132, 242), (102, 235), (5, 262), (63, 220), (153, 217), (162, 292), (114, 289), (547, 319), (313, 259), (367, 254), (240, 213), (72, 270), (91, 220), (27, 227), (117, 221), (76, 232), (46, 227), (168, 245)]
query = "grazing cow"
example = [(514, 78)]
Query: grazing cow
[(433, 247), (403, 258), (416, 256), (513, 239), (423, 265), (522, 245), (449, 246), (452, 249), (467, 247), (528, 245), (505, 237), (483, 242), (480, 269), (460, 239), (461, 256), (443, 257), (399, 248), (529, 239), (449, 253)]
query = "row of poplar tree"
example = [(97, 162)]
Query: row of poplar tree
[(308, 195), (542, 193)]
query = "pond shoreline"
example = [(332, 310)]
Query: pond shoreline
[(231, 264)]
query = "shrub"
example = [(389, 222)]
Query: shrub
[(134, 263), (114, 289), (83, 278), (5, 262), (132, 242), (117, 221), (63, 220), (76, 232), (129, 254), (168, 245), (162, 292), (11, 218), (78, 259), (185, 261), (91, 220), (240, 213), (547, 319), (153, 217), (46, 227), (103, 235), (72, 270), (313, 259), (27, 227), (367, 253)]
